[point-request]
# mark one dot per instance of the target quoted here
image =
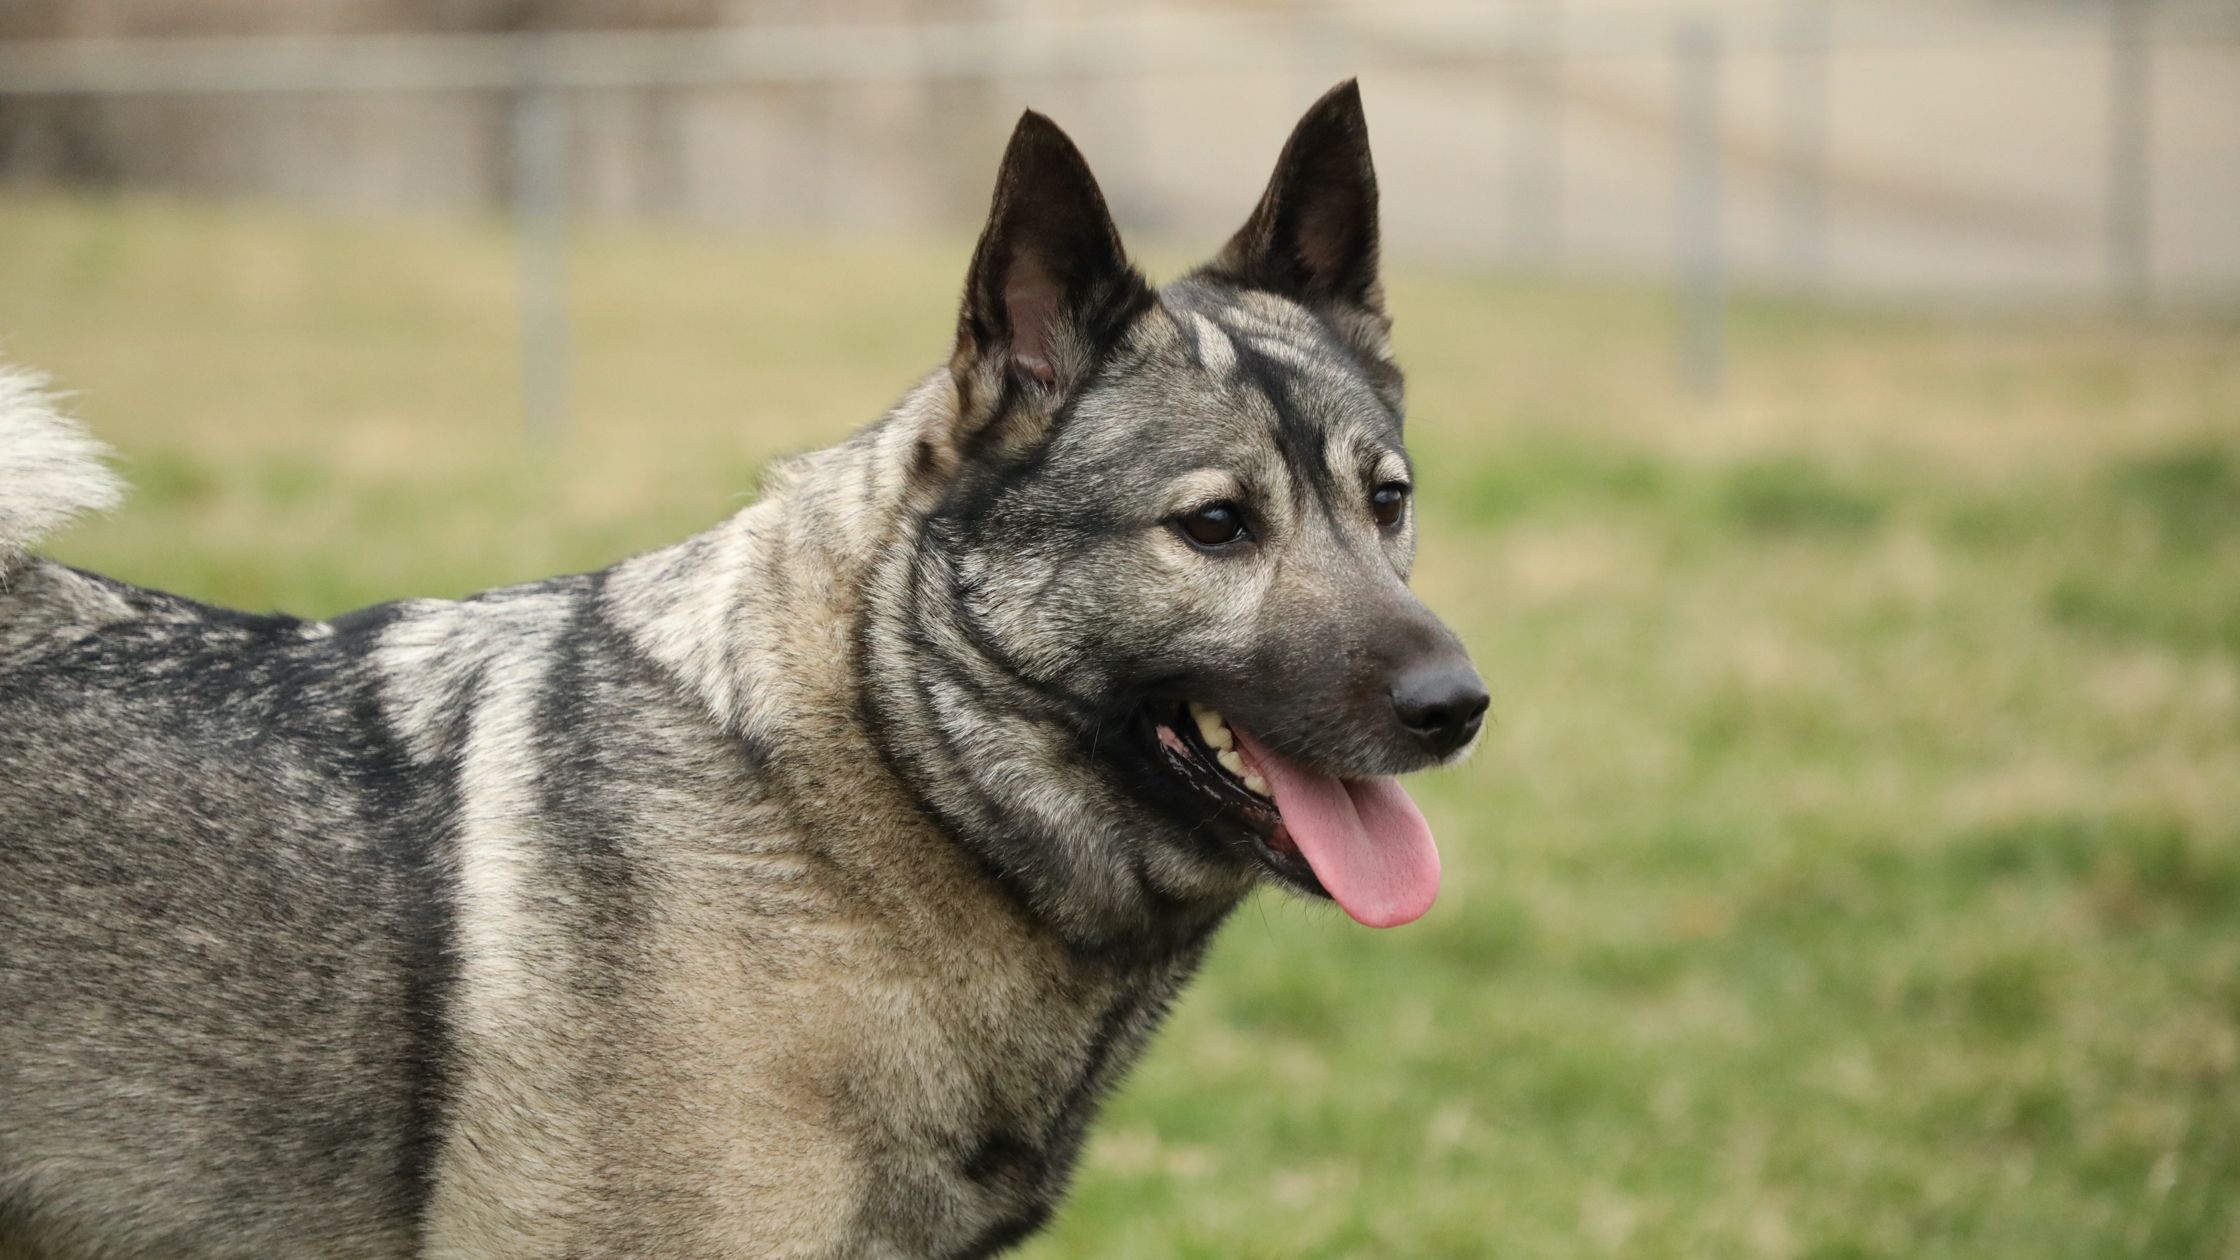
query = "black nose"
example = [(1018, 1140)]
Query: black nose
[(1441, 703)]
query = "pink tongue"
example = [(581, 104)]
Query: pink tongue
[(1367, 842)]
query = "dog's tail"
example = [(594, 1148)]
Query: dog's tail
[(51, 471)]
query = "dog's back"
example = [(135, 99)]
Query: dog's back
[(202, 941), (220, 906)]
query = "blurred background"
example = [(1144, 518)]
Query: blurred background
[(1828, 414)]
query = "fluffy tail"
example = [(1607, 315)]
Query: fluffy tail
[(50, 470)]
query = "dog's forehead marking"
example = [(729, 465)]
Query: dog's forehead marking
[(1346, 453), (1217, 353), (1279, 334), (1282, 332), (1275, 398), (1269, 319)]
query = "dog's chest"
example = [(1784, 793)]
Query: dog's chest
[(956, 1075), (708, 1005), (829, 1074), (988, 1121)]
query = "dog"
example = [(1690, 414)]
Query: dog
[(797, 890)]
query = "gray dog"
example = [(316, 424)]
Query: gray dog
[(797, 890)]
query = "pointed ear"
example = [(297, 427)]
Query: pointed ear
[(1050, 287), (1313, 237)]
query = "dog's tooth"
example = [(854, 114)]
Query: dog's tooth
[(1231, 761), (1212, 729), (1254, 783)]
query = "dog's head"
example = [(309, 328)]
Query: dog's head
[(1183, 519)]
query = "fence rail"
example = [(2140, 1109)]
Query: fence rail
[(541, 72), (1119, 46)]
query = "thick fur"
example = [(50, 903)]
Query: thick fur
[(797, 890), (50, 471)]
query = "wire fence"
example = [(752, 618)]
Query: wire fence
[(1550, 61)]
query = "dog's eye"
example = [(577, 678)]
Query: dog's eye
[(1214, 525), (1388, 501)]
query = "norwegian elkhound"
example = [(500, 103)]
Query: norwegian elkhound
[(797, 890)]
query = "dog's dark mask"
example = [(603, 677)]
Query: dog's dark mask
[(1187, 515)]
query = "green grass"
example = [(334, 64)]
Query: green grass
[(1852, 868)]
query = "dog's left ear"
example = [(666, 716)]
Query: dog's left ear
[(1313, 237), (1050, 288)]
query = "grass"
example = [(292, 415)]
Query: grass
[(1853, 866)]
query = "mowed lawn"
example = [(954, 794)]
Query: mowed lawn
[(1852, 868)]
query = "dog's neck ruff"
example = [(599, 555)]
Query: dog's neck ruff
[(831, 601)]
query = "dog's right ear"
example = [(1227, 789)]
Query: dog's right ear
[(1050, 287), (1313, 237)]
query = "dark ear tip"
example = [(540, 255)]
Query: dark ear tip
[(1034, 127), (1038, 144), (1340, 102), (1335, 120)]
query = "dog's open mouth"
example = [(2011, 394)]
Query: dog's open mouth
[(1359, 842), (1202, 750)]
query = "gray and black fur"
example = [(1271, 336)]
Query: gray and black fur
[(797, 890)]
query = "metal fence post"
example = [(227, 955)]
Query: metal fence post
[(2130, 136), (540, 206), (1804, 100), (1535, 166), (1697, 227)]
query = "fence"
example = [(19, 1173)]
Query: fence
[(1536, 48)]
